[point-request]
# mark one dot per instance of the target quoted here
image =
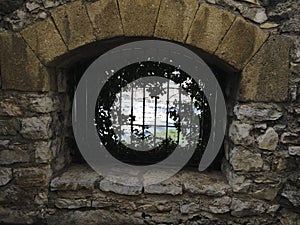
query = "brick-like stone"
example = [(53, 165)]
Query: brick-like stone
[(172, 186), (175, 18), (268, 140), (20, 68), (242, 159), (204, 184), (73, 24), (36, 127), (17, 104), (17, 155), (43, 152), (139, 16), (265, 78), (240, 43), (5, 175), (72, 203), (45, 41), (75, 178), (294, 150), (105, 18), (239, 133), (32, 176), (9, 127), (209, 27)]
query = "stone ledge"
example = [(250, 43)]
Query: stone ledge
[(79, 177)]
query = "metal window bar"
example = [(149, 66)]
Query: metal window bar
[(144, 108), (167, 112), (179, 111), (131, 115)]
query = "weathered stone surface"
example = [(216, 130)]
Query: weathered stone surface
[(5, 175), (268, 25), (175, 18), (17, 104), (268, 193), (240, 133), (43, 152), (268, 140), (289, 218), (237, 182), (129, 185), (75, 178), (9, 127), (265, 78), (36, 127), (17, 155), (257, 14), (240, 43), (138, 16), (220, 205), (205, 184), (294, 150), (73, 24), (16, 216), (242, 159), (45, 40), (290, 138), (72, 203), (32, 176), (172, 186), (92, 217), (250, 207), (209, 27), (105, 18), (257, 112), (20, 68), (292, 194)]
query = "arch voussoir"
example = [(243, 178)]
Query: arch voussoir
[(209, 27), (139, 16), (175, 18)]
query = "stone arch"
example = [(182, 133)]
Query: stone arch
[(72, 27)]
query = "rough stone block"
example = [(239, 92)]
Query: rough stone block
[(20, 68), (175, 18), (11, 156), (265, 78), (240, 43), (43, 152), (172, 186), (139, 16), (239, 133), (32, 176), (17, 104), (209, 27), (269, 140), (129, 186), (73, 24), (72, 203), (242, 159), (45, 40), (294, 150), (36, 127), (75, 178), (105, 18), (9, 127), (258, 112), (204, 184), (5, 175)]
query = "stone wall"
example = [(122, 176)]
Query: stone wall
[(42, 40)]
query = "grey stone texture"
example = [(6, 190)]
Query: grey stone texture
[(257, 40)]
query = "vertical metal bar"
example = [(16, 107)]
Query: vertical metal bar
[(179, 109), (120, 115), (131, 115), (167, 112), (155, 114), (144, 107)]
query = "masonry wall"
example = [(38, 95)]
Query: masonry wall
[(40, 43)]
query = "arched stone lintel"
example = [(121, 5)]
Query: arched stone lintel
[(214, 30)]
